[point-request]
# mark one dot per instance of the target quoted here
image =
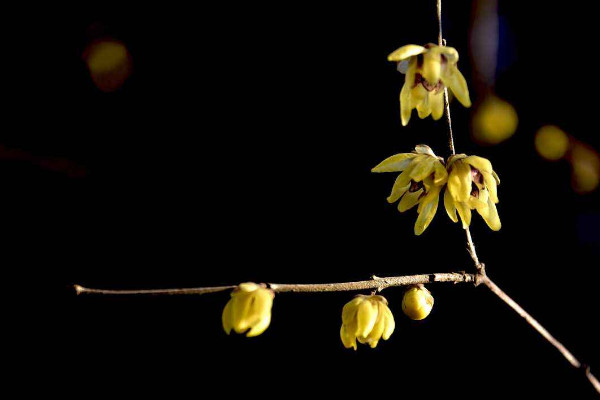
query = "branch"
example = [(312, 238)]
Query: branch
[(376, 283)]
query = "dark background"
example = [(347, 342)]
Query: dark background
[(240, 150)]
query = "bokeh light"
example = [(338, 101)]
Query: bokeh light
[(109, 64), (551, 142), (495, 120), (586, 168)]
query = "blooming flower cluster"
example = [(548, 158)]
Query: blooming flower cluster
[(470, 184), (429, 70)]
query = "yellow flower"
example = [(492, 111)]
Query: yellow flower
[(417, 302), (428, 70), (472, 185), (368, 319), (421, 182), (249, 309)]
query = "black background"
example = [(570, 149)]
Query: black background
[(240, 150)]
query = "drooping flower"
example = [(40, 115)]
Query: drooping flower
[(428, 70), (368, 319), (417, 302), (472, 185), (421, 181), (249, 309)]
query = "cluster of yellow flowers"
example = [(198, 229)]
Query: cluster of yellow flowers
[(367, 319), (470, 182)]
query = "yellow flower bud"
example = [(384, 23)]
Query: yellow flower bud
[(417, 302), (368, 319), (249, 309)]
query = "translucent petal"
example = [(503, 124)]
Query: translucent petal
[(424, 149), (226, 318), (406, 51), (459, 181), (455, 81), (430, 204), (490, 215), (437, 104), (366, 318), (449, 205), (395, 163), (397, 190), (409, 200)]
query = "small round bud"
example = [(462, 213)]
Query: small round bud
[(417, 302)]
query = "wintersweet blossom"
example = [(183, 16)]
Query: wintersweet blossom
[(422, 178), (429, 69), (248, 310), (472, 185), (367, 319)]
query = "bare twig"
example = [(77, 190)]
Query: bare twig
[(376, 283), (481, 267)]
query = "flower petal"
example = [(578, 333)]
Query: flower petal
[(482, 164), (490, 183), (424, 149), (348, 339), (406, 51), (409, 200), (441, 175), (437, 104), (424, 107), (490, 215), (350, 309), (405, 105), (259, 314), (379, 326), (390, 324), (449, 205), (397, 190), (366, 318), (465, 214), (429, 208), (226, 318), (424, 166), (459, 181), (395, 163), (455, 81), (432, 66)]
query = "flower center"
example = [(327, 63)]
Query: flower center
[(419, 79)]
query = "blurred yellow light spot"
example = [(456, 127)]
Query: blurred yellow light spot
[(109, 64), (495, 121), (586, 168), (551, 142)]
